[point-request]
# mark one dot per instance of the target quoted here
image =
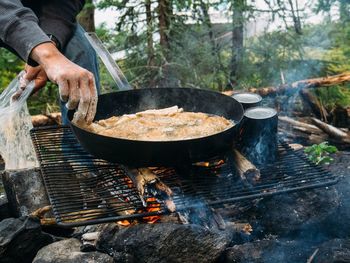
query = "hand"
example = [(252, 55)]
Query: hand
[(34, 73), (76, 85)]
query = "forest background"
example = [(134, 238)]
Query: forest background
[(180, 43)]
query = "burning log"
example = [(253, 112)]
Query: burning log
[(146, 181), (332, 131), (246, 170)]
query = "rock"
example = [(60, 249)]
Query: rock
[(268, 251), (20, 239), (25, 191), (336, 225), (294, 212), (333, 251), (165, 242), (68, 250), (81, 230)]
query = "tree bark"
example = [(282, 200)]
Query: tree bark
[(86, 18)]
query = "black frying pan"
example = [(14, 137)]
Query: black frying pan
[(154, 153)]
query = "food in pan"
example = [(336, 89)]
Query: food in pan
[(166, 124)]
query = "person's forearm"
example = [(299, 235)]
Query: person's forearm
[(19, 28), (45, 53)]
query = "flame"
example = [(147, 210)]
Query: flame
[(152, 206)]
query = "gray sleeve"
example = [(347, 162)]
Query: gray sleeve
[(58, 18), (19, 28)]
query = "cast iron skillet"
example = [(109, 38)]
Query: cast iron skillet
[(155, 153)]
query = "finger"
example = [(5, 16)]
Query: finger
[(84, 102), (74, 95), (40, 81), (32, 72), (63, 89), (93, 101)]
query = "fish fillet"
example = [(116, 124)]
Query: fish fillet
[(166, 124)]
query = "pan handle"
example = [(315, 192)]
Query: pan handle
[(108, 61)]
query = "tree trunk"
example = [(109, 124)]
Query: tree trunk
[(207, 22), (237, 39), (86, 18), (295, 16), (164, 24), (149, 21)]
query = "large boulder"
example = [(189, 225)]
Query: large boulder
[(166, 242), (291, 213), (268, 251), (25, 191), (68, 251), (20, 239), (336, 225)]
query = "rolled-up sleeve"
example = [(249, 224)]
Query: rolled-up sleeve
[(19, 28), (58, 18)]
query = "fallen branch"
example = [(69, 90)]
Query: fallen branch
[(302, 126), (300, 84), (332, 131)]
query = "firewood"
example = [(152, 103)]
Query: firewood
[(301, 125), (245, 169), (45, 120), (303, 134), (332, 131)]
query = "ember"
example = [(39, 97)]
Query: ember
[(210, 163)]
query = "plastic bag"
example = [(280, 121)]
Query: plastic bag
[(16, 147)]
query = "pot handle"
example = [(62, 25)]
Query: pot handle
[(108, 61)]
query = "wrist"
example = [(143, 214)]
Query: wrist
[(55, 41), (44, 53)]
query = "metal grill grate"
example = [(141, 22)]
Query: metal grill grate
[(84, 190)]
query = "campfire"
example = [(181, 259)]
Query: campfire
[(201, 206)]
